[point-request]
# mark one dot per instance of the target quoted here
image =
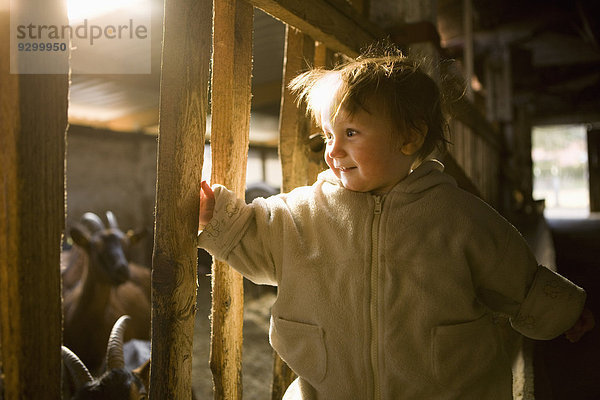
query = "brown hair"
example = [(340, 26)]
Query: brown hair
[(407, 94)]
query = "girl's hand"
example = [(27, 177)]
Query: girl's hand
[(584, 324), (207, 205)]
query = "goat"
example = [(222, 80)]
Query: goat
[(99, 285), (117, 382)]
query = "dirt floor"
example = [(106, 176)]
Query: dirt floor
[(257, 356)]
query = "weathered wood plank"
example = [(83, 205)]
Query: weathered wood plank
[(183, 110), (294, 126), (299, 166), (339, 28), (230, 126), (593, 141), (33, 122)]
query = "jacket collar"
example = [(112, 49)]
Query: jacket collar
[(427, 175)]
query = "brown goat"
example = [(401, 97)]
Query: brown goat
[(100, 285)]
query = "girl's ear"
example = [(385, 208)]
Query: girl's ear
[(414, 139)]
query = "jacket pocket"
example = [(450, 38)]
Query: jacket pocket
[(301, 346), (464, 352)]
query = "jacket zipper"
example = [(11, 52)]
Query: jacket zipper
[(374, 296)]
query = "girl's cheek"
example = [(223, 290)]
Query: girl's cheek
[(329, 162), (328, 159)]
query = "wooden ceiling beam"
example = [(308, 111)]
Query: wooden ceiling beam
[(334, 23), (131, 122)]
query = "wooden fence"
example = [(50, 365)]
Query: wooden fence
[(32, 160)]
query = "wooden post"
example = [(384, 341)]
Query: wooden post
[(593, 141), (468, 58), (294, 126), (231, 94), (183, 109), (298, 165), (33, 122)]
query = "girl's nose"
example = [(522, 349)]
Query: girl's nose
[(335, 148)]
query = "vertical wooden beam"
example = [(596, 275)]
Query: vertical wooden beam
[(468, 47), (593, 141), (294, 152), (183, 109), (521, 155), (505, 92), (231, 94), (294, 126), (324, 56), (387, 13), (33, 121)]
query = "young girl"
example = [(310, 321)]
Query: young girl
[(388, 275)]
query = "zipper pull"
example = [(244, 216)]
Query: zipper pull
[(377, 205)]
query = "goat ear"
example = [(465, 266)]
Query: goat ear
[(143, 372), (136, 236), (80, 235)]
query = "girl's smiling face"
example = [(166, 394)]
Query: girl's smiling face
[(366, 151)]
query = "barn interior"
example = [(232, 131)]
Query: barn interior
[(531, 66), (526, 65)]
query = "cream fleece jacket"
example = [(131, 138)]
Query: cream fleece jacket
[(392, 297)]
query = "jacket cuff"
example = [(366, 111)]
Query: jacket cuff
[(551, 307), (229, 221)]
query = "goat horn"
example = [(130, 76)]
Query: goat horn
[(76, 367), (112, 220), (92, 222), (114, 350)]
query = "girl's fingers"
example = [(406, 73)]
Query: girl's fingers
[(585, 324), (207, 204), (207, 190)]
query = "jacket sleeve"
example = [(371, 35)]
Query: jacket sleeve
[(243, 235), (540, 303), (552, 306)]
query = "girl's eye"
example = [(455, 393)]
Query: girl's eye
[(327, 136), (350, 132)]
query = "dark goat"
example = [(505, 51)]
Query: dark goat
[(100, 285), (117, 383)]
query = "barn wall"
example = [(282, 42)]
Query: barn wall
[(113, 171), (116, 171)]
